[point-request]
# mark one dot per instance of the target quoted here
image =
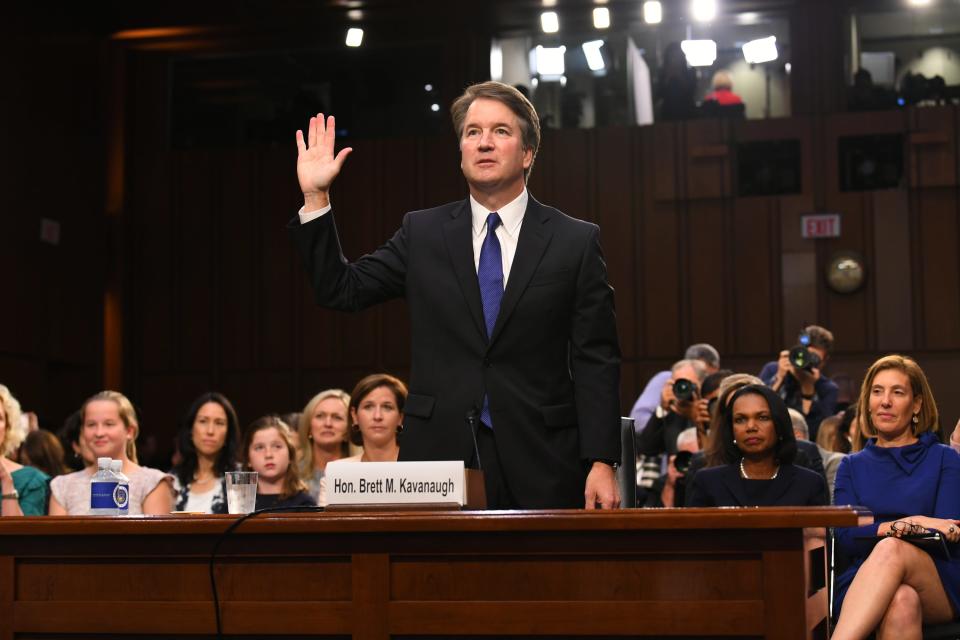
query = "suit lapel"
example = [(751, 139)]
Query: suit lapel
[(731, 478), (534, 237), (458, 239)]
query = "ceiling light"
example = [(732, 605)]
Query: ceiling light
[(703, 10), (652, 12), (699, 53), (594, 58), (354, 37), (549, 22), (434, 107), (547, 62), (762, 50), (919, 3), (601, 18)]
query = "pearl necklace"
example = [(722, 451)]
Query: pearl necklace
[(743, 472)]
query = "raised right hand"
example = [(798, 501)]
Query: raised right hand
[(316, 165)]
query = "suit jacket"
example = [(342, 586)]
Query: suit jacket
[(551, 367), (723, 487)]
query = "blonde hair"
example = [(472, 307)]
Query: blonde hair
[(303, 427), (927, 418), (12, 434), (722, 80), (128, 415), (292, 482)]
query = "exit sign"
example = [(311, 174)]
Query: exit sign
[(820, 225)]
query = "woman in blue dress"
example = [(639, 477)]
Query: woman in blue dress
[(911, 483)]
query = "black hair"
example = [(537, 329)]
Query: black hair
[(712, 382), (785, 449), (226, 459)]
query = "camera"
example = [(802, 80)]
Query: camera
[(684, 390), (802, 357), (681, 462)]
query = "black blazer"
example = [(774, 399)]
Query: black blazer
[(551, 368), (723, 487)]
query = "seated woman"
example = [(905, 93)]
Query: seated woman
[(324, 435), (23, 489), (376, 413), (208, 440), (268, 449), (42, 449), (892, 587), (109, 429), (757, 445)]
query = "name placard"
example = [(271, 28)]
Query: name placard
[(395, 483)]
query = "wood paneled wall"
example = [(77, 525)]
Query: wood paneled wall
[(219, 300)]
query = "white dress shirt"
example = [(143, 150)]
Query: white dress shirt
[(508, 232)]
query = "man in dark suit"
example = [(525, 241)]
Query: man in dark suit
[(512, 318)]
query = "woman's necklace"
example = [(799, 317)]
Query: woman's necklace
[(743, 472)]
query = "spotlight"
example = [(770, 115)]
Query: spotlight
[(919, 3), (601, 18), (703, 10), (434, 107), (547, 62), (652, 12), (549, 22), (699, 53), (762, 50), (354, 37), (592, 51)]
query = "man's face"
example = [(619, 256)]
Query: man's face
[(687, 373), (492, 156)]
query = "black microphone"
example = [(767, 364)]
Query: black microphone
[(472, 415)]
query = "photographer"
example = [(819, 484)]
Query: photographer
[(797, 376), (651, 397), (668, 490), (681, 407)]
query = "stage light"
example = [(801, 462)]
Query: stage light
[(601, 18), (434, 107), (592, 52), (354, 37), (652, 12), (703, 10), (549, 22), (699, 53), (496, 61), (548, 62), (761, 50), (919, 3)]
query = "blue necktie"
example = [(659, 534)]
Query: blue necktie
[(490, 275)]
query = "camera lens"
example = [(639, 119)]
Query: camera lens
[(803, 358), (684, 389), (682, 461)]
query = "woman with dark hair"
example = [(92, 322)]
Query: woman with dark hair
[(268, 449), (911, 483), (42, 449), (207, 440), (756, 443)]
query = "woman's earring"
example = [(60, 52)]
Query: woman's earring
[(400, 428), (916, 418), (734, 441)]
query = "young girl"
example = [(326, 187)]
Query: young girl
[(109, 429), (268, 449)]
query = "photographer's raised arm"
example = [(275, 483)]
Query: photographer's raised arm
[(317, 166)]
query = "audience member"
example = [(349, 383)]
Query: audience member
[(23, 490), (376, 417), (324, 431), (805, 389), (758, 447), (892, 588), (722, 92), (292, 420), (668, 490), (268, 449), (651, 397), (676, 85), (673, 415), (955, 437), (42, 449), (831, 459), (109, 429), (207, 440)]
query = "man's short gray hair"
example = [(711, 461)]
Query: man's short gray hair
[(799, 424), (686, 437), (704, 352), (697, 365)]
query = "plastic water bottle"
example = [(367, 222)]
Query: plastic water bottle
[(122, 493), (103, 485)]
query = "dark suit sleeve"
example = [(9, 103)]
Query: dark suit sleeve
[(821, 495), (697, 495), (595, 357), (650, 440), (340, 284)]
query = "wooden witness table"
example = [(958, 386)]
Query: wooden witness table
[(684, 572)]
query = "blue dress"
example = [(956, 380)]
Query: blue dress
[(921, 479)]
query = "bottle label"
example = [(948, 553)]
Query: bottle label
[(101, 495), (121, 496)]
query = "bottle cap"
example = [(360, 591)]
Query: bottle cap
[(116, 465), (103, 463)]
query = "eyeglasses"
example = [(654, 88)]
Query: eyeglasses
[(902, 528)]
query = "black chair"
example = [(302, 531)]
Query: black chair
[(627, 472)]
